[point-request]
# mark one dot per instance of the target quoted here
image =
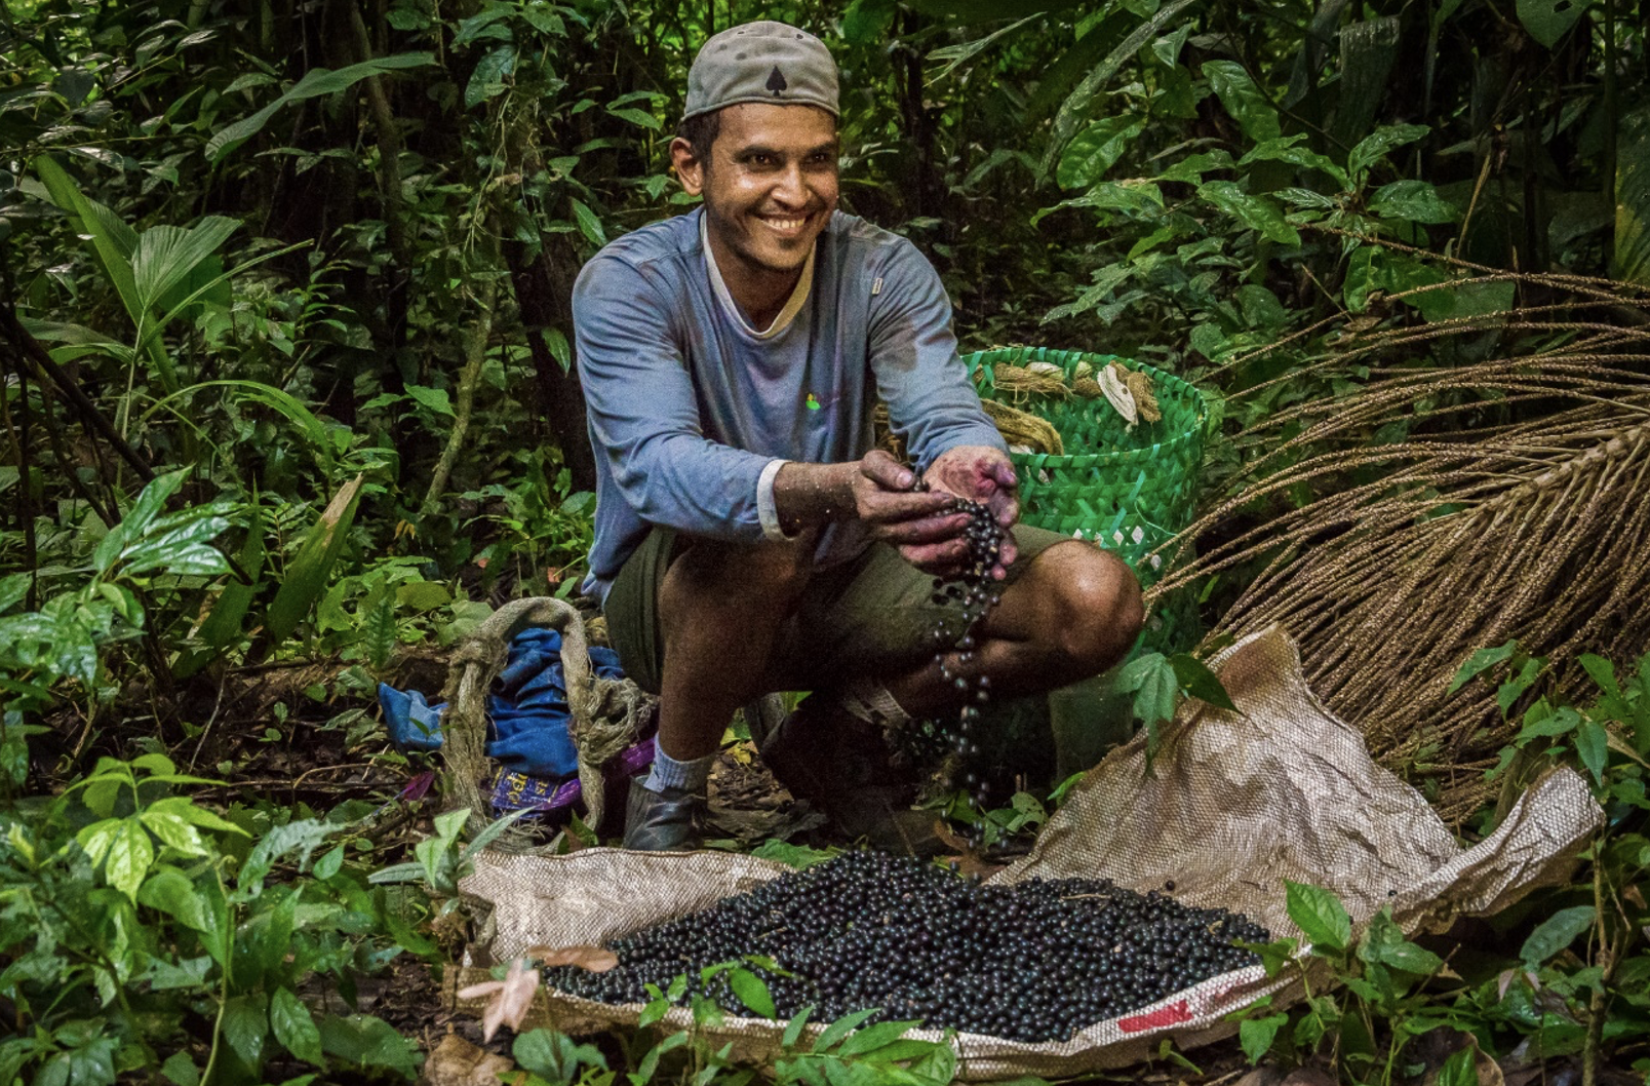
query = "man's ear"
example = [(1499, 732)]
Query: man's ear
[(690, 169)]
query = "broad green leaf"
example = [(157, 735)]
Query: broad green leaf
[(1544, 722), (638, 117), (1288, 149), (1242, 99), (1198, 681), (315, 83), (1514, 688), (1593, 747), (186, 808), (839, 1029), (175, 832), (1095, 150), (1156, 688), (171, 892), (435, 399), (224, 626), (1384, 944), (307, 574), (302, 837), (293, 1026), (245, 1025), (1256, 1035), (1549, 20), (1555, 933), (871, 1038), (180, 1070), (130, 854), (1412, 201), (1375, 146), (1461, 1069), (373, 1042), (1480, 662), (488, 79), (752, 992), (330, 864), (797, 856), (543, 18), (1320, 914), (794, 1028), (589, 224), (166, 255), (96, 839), (477, 27), (1256, 212), (1603, 674), (138, 518)]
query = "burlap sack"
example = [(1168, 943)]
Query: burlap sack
[(1236, 804)]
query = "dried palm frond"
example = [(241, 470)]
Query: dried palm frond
[(1517, 507)]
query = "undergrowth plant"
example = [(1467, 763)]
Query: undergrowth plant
[(144, 932)]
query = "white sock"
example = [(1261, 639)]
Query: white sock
[(667, 772)]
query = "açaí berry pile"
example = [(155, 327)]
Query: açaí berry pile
[(1030, 962)]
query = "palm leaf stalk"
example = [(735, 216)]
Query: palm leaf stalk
[(1518, 507)]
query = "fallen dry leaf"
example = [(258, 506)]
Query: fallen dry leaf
[(457, 1062), (594, 959), (507, 999)]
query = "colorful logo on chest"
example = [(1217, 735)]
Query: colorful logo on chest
[(812, 402)]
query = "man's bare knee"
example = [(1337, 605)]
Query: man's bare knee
[(1097, 605)]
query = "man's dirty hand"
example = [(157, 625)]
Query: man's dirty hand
[(978, 473), (886, 499)]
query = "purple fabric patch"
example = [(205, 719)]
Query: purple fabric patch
[(513, 791)]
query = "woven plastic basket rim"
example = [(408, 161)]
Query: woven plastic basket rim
[(1181, 387)]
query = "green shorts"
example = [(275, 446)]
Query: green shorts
[(873, 615)]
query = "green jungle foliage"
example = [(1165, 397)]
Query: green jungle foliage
[(288, 390)]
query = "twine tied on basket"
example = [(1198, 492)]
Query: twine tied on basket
[(605, 715)]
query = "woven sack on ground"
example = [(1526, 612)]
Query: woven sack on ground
[(1237, 803)]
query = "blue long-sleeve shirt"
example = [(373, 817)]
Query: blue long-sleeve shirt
[(687, 406)]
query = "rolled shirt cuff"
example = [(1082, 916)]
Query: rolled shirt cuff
[(767, 510)]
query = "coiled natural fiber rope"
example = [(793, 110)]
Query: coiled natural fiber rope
[(607, 715)]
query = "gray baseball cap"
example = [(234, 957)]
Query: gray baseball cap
[(762, 62)]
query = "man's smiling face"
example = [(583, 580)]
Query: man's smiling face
[(769, 187)]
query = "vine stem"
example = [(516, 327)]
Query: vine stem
[(475, 354)]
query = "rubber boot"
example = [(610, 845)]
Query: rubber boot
[(661, 821)]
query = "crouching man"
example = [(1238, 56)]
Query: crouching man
[(749, 538)]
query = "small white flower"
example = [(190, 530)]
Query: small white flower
[(1157, 561), (1139, 533)]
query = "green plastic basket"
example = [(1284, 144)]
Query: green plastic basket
[(1130, 491)]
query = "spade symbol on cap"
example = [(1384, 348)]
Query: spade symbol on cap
[(776, 81)]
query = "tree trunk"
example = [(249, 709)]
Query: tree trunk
[(544, 295)]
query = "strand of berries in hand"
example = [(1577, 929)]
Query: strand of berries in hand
[(978, 592)]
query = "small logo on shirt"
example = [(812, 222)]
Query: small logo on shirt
[(812, 402)]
